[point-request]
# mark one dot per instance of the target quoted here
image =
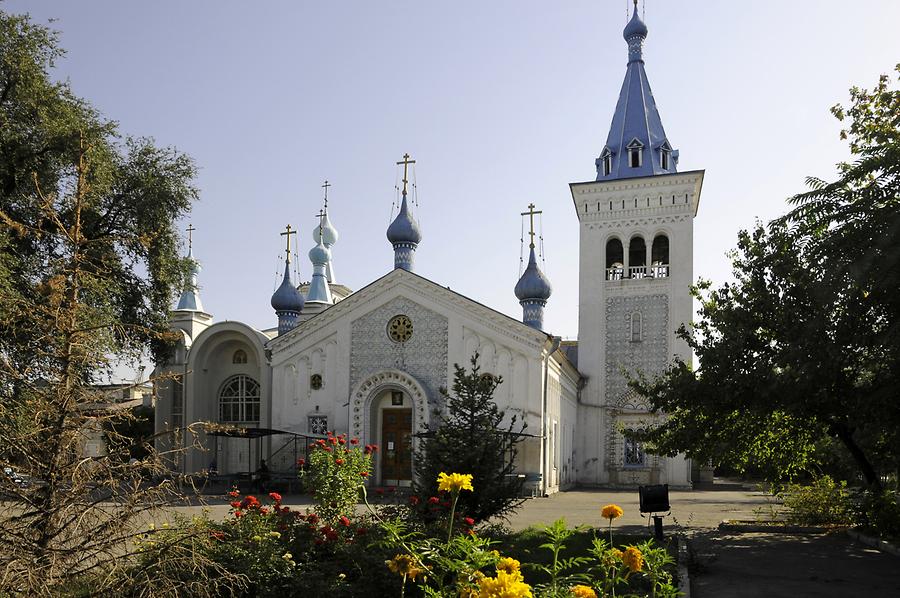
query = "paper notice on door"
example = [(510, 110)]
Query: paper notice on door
[(390, 446)]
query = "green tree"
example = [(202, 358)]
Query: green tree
[(88, 268), (801, 350), (471, 438)]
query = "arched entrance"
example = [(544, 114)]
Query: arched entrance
[(389, 408)]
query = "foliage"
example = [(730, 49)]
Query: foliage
[(822, 502), (560, 569), (471, 436), (879, 512), (804, 345), (336, 473), (88, 267)]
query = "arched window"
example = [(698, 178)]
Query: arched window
[(637, 257), (614, 259), (660, 256), (239, 400), (240, 356), (636, 322), (634, 453)]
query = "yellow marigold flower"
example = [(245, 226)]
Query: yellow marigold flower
[(509, 565), (504, 586), (404, 564), (581, 591), (633, 559), (454, 482), (612, 512)]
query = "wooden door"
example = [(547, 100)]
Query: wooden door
[(396, 446)]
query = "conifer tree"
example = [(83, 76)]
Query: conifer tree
[(471, 437)]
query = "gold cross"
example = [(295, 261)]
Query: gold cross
[(406, 162), (530, 213), (287, 233), (190, 229), (326, 186)]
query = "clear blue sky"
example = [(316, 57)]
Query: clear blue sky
[(502, 103)]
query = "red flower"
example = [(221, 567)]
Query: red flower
[(354, 441), (344, 521), (413, 500), (234, 493), (341, 441), (236, 504), (275, 496), (339, 461), (249, 502), (264, 510), (238, 513), (327, 448), (313, 518), (368, 449), (434, 500), (364, 474), (374, 448), (469, 521), (332, 440), (301, 462)]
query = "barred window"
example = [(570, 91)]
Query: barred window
[(177, 402), (634, 452), (318, 424), (239, 400)]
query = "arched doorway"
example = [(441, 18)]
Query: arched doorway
[(239, 406), (389, 408)]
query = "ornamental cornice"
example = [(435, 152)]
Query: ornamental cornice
[(599, 224)]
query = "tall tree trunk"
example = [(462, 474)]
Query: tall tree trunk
[(845, 435)]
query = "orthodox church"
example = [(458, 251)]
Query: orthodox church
[(370, 362)]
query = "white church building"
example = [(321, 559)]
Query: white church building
[(370, 362)]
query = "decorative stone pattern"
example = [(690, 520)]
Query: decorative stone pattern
[(423, 356), (649, 355), (363, 395)]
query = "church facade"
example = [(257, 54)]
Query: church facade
[(371, 363)]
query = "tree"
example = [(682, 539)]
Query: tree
[(88, 268), (803, 347), (471, 438)]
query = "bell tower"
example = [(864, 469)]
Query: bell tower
[(635, 271)]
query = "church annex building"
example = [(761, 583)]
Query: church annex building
[(370, 362)]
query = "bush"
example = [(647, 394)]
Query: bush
[(338, 469), (820, 503), (880, 514)]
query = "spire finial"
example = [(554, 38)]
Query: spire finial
[(321, 215), (287, 233), (325, 186), (406, 162), (530, 213), (190, 229)]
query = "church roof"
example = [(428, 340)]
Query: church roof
[(190, 296), (533, 284), (636, 123), (286, 296), (404, 228)]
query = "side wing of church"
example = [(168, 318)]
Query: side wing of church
[(371, 363)]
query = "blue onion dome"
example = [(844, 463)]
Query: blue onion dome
[(404, 228), (635, 27), (533, 284), (328, 235), (286, 296), (319, 255)]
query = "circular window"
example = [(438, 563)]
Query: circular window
[(400, 329)]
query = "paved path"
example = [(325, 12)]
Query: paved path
[(790, 566)]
